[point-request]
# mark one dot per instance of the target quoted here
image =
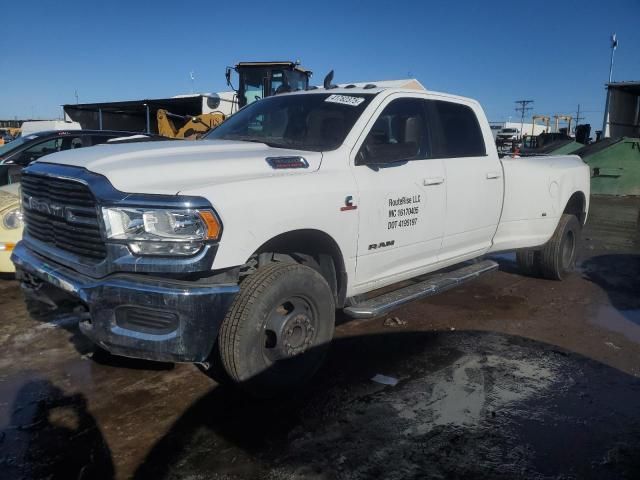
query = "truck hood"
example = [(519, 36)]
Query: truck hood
[(172, 167)]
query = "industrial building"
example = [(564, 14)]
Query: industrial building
[(622, 110)]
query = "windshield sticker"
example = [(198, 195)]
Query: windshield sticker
[(345, 100)]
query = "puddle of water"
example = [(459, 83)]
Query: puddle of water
[(626, 322), (463, 393)]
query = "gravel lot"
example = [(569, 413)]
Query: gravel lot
[(507, 377)]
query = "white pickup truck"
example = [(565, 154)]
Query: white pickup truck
[(239, 248)]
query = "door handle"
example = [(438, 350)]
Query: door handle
[(433, 181), (492, 175)]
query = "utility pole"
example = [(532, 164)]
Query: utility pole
[(578, 118), (76, 93), (523, 109)]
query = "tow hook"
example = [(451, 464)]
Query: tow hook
[(32, 286)]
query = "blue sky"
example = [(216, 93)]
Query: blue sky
[(555, 52)]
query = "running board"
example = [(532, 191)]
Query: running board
[(438, 283)]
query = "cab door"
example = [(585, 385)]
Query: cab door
[(401, 191), (475, 183)]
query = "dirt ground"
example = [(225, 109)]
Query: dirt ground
[(506, 377)]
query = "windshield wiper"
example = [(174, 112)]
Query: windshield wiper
[(241, 138), (247, 138), (275, 142), (297, 145)]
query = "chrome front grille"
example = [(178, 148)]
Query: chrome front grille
[(62, 213)]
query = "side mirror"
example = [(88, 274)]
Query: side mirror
[(227, 75), (387, 153)]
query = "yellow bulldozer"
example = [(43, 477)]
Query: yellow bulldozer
[(256, 80), (11, 131), (193, 127)]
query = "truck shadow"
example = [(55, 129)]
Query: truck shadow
[(506, 261), (619, 276), (466, 405), (52, 435)]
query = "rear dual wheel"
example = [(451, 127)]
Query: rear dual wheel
[(557, 258), (277, 332)]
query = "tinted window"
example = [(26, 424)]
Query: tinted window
[(70, 143), (283, 78), (399, 134), (98, 139), (53, 145), (459, 132), (253, 86), (277, 81), (8, 147), (41, 149), (306, 122)]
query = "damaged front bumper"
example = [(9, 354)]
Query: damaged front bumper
[(133, 315)]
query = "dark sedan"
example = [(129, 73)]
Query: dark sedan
[(22, 151)]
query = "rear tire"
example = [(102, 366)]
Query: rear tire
[(278, 330), (557, 258), (529, 262)]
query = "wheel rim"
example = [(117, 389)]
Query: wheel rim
[(290, 329), (568, 249)]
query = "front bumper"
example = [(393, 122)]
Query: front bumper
[(134, 315)]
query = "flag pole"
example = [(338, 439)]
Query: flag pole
[(605, 122), (614, 45)]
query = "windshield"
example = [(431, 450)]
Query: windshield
[(253, 85), (8, 147), (318, 122)]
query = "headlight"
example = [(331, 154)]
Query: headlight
[(161, 231), (12, 219)]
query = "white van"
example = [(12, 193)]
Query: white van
[(30, 127)]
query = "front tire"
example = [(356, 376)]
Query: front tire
[(277, 332)]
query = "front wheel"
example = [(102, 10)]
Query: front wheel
[(277, 332)]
